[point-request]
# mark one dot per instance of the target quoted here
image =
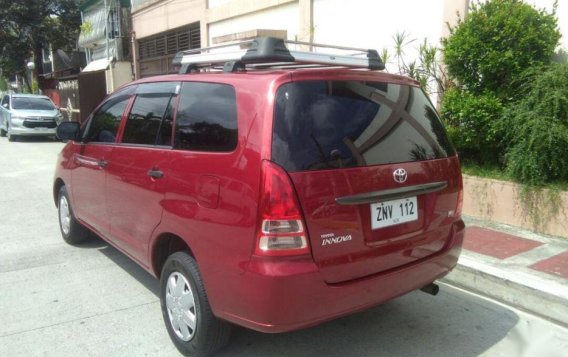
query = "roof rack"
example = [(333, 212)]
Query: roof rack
[(264, 52)]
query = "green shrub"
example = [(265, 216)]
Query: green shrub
[(471, 121), (537, 136), (488, 51)]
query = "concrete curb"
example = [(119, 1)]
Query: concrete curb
[(520, 289)]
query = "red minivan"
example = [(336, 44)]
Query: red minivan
[(285, 190)]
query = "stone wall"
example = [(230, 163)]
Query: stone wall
[(541, 211)]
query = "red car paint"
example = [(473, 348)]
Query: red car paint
[(211, 201)]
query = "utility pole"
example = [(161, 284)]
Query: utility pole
[(111, 87)]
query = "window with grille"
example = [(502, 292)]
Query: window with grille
[(171, 42)]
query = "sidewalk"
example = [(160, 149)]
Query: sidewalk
[(515, 266)]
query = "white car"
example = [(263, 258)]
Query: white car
[(28, 115)]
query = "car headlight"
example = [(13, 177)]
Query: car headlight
[(16, 121)]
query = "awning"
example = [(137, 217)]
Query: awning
[(97, 65)]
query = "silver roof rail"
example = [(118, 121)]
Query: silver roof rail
[(265, 52)]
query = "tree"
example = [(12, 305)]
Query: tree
[(496, 43), (538, 128), (491, 55), (3, 84), (28, 26), (472, 124)]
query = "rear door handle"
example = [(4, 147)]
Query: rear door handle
[(154, 173), (102, 163)]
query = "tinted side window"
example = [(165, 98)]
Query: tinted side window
[(146, 118), (335, 124), (105, 122), (206, 118), (166, 128), (150, 118)]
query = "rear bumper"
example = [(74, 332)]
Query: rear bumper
[(275, 296)]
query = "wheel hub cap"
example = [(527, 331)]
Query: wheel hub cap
[(64, 215), (180, 304)]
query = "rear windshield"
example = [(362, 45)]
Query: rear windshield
[(24, 103), (322, 125)]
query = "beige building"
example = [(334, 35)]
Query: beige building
[(163, 27)]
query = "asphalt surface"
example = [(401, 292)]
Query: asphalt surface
[(58, 300)]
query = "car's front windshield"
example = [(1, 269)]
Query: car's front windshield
[(30, 103)]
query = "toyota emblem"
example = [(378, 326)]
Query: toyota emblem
[(400, 175)]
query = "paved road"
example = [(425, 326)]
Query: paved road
[(57, 300)]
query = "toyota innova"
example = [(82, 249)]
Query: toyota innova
[(25, 115), (268, 188)]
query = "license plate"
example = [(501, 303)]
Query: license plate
[(390, 213)]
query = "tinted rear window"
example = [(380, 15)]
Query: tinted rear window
[(333, 124)]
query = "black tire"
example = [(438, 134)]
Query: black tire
[(12, 138), (72, 232), (210, 334), (3, 133)]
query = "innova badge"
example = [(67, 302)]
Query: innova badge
[(400, 175)]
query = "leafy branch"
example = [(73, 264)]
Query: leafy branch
[(426, 69)]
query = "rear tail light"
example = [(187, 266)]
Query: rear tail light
[(281, 229)]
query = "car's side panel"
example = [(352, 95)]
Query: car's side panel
[(89, 174), (63, 167), (87, 166), (134, 197), (211, 201), (66, 165)]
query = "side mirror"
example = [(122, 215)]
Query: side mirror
[(5, 105), (68, 130)]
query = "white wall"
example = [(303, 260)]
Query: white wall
[(121, 74), (372, 23), (364, 23), (216, 3), (166, 16), (285, 17)]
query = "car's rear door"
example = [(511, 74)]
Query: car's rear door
[(376, 177), (138, 168)]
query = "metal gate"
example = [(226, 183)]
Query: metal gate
[(92, 90)]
